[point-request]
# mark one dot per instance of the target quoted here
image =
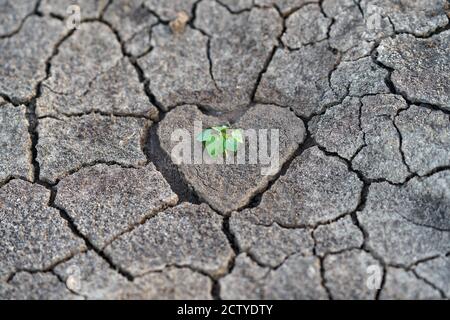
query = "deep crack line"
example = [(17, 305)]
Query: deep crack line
[(323, 279), (431, 284), (400, 138), (321, 265), (208, 43), (31, 108), (138, 69), (393, 89), (64, 215), (35, 12), (270, 55)]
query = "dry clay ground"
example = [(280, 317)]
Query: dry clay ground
[(91, 205)]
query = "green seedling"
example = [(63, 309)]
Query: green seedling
[(218, 140)]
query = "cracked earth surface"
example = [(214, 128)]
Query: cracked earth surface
[(87, 182)]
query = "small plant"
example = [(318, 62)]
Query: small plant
[(218, 140)]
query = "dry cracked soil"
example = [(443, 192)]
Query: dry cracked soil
[(93, 206)]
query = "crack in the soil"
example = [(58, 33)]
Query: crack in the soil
[(73, 171), (62, 115), (49, 271), (394, 90), (191, 23), (64, 215), (31, 107), (428, 35), (34, 12), (431, 284), (165, 165), (235, 12), (423, 225), (216, 289), (321, 265), (270, 56), (132, 60), (257, 197), (322, 277), (400, 138)]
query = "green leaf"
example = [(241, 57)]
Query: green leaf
[(219, 143), (236, 134), (205, 135), (215, 147), (231, 145), (211, 140), (211, 149)]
